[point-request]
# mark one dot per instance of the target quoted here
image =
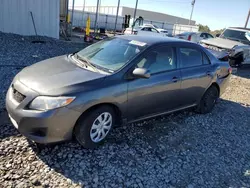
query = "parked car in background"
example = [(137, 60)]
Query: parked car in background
[(146, 31), (193, 36), (121, 79), (156, 27), (233, 43)]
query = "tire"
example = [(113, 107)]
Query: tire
[(208, 100), (89, 124)]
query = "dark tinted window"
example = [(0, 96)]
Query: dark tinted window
[(158, 60), (209, 36), (203, 35), (190, 57)]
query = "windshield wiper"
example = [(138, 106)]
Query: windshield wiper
[(87, 62)]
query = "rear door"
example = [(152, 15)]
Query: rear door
[(161, 91), (196, 73)]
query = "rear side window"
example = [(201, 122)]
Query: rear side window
[(206, 60), (203, 35), (190, 57), (209, 36)]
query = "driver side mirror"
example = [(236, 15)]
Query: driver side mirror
[(141, 73)]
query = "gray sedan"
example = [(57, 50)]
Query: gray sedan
[(119, 80)]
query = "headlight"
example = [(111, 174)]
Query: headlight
[(48, 103)]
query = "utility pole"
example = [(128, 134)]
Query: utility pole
[(135, 9), (132, 31), (72, 16), (117, 12), (96, 15), (83, 11), (193, 2), (247, 18)]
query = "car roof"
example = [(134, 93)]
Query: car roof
[(239, 28), (151, 40)]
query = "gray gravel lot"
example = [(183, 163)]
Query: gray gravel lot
[(179, 150), (17, 52)]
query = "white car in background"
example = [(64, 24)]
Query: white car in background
[(194, 37), (146, 31), (156, 27)]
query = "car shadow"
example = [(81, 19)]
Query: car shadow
[(243, 71), (161, 143), (6, 127)]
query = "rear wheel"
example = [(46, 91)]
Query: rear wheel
[(208, 100), (93, 128)]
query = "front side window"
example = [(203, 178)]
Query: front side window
[(111, 54), (158, 60), (190, 57)]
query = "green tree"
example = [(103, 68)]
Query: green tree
[(204, 28)]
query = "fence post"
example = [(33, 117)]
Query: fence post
[(106, 22), (162, 25), (151, 22)]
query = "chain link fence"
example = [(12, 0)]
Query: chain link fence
[(108, 22)]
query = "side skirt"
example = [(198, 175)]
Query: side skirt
[(125, 121)]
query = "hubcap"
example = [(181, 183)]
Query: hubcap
[(101, 127)]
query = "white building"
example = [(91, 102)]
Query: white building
[(147, 15), (15, 17)]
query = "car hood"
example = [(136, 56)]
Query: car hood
[(56, 76), (221, 42)]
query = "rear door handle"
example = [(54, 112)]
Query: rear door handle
[(175, 79), (209, 73)]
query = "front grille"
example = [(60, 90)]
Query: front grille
[(19, 97), (215, 48)]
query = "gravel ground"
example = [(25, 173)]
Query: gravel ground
[(17, 51), (179, 150)]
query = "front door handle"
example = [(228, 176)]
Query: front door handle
[(175, 79)]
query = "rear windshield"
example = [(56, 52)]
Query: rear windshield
[(235, 35), (113, 53)]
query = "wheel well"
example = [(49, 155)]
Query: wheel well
[(217, 86), (117, 111)]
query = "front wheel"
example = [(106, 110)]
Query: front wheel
[(208, 100), (93, 128)]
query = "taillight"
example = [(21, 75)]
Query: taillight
[(189, 37), (230, 70)]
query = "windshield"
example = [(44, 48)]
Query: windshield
[(235, 35), (111, 54)]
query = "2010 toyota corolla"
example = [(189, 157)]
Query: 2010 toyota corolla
[(118, 80)]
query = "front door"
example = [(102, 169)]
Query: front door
[(160, 92)]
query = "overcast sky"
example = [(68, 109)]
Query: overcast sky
[(217, 14)]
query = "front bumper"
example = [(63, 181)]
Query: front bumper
[(40, 126)]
